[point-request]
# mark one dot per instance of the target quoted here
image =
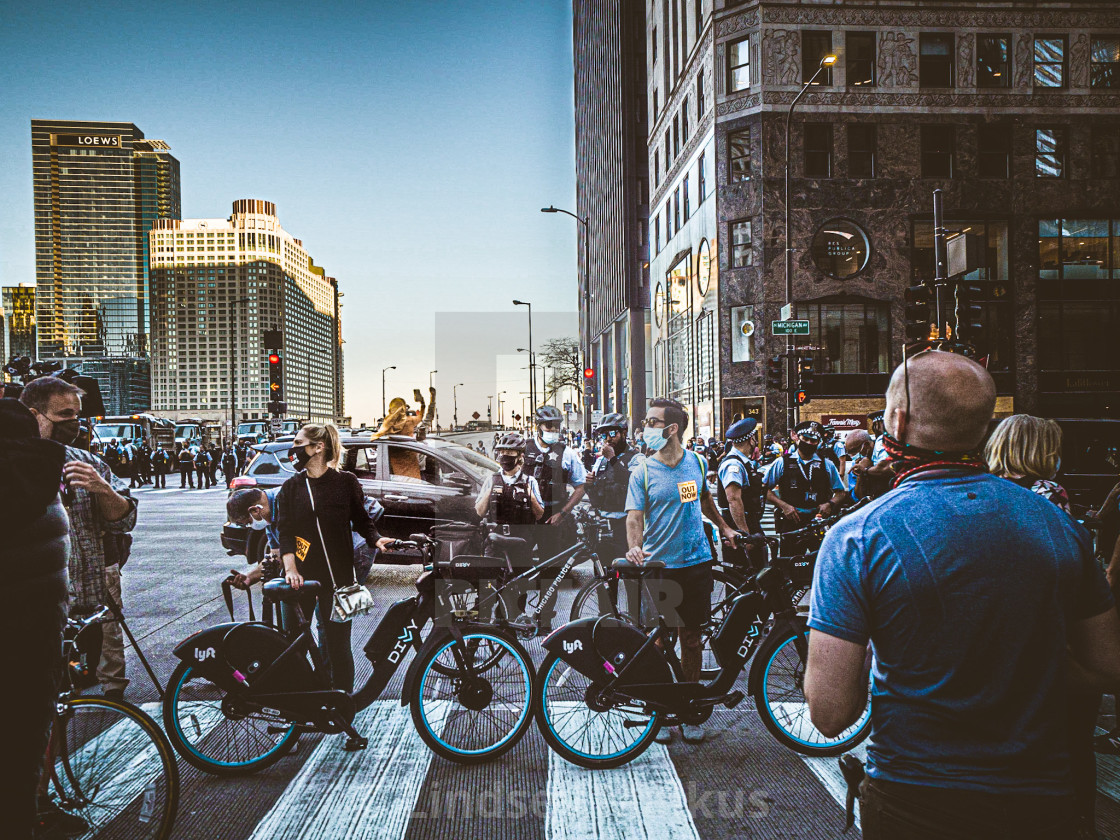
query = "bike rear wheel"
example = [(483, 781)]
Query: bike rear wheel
[(582, 734), (212, 732), (476, 714), (780, 699), (113, 767)]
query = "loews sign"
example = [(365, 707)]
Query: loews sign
[(111, 141)]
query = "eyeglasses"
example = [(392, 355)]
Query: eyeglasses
[(654, 423)]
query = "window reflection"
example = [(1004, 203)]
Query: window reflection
[(855, 335)]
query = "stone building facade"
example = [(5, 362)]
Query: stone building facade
[(1013, 114)]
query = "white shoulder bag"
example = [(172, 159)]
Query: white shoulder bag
[(349, 601)]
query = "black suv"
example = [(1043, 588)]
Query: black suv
[(451, 476)]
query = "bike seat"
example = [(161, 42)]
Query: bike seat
[(506, 543), (624, 567), (278, 589)]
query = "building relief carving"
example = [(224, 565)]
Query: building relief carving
[(898, 64), (1079, 61), (966, 64), (904, 18), (736, 23), (1024, 59), (783, 54)]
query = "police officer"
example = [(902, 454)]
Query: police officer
[(739, 491), (161, 466), (554, 466), (803, 485), (610, 478), (514, 499)]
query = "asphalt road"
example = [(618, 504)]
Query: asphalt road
[(739, 784)]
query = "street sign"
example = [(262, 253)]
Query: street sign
[(275, 424), (789, 327), (476, 415), (787, 312), (567, 408)]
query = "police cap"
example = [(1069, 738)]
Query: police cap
[(742, 429)]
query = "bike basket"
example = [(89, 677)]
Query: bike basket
[(455, 539)]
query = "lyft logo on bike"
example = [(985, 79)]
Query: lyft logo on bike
[(572, 647)]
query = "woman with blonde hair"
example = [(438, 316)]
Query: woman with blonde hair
[(316, 510), (1028, 451)]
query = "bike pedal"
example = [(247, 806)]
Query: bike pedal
[(355, 744), (733, 699)]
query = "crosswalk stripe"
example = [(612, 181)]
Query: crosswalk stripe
[(644, 798), (365, 795)]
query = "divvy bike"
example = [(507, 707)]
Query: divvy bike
[(605, 687)]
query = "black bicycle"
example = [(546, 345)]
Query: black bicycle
[(244, 691), (108, 761), (605, 687)]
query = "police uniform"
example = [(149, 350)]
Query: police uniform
[(737, 468), (554, 466), (607, 493), (510, 505), (804, 483)]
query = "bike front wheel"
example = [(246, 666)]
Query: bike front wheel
[(580, 729), (216, 733), (473, 699), (779, 696), (110, 764)]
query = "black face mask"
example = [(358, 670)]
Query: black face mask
[(807, 450), (298, 455), (508, 463), (65, 431)]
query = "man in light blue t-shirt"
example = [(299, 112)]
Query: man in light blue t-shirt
[(666, 503)]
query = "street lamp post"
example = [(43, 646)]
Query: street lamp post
[(791, 399), (532, 366), (384, 412), (431, 384), (586, 302), (490, 408), (501, 417), (233, 357), (455, 400)]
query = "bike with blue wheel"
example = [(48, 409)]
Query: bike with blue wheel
[(244, 692), (606, 686)]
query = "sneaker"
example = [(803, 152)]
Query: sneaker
[(692, 734), (664, 735), (114, 694), (52, 821)]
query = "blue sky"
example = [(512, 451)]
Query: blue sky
[(410, 145)]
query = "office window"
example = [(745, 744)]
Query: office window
[(668, 152), (1050, 61), (701, 180), (861, 150), (855, 337), (656, 168), (993, 145), (1106, 151), (1104, 62), (815, 45), (860, 61), (699, 17), (684, 187), (656, 105), (741, 254), (738, 65), (818, 150), (993, 61), (739, 155), (935, 65), (684, 120), (1050, 151), (676, 135), (699, 96), (657, 234), (677, 209), (653, 46), (938, 147), (668, 220)]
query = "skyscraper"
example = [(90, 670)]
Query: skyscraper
[(98, 188), (217, 286), (18, 307)]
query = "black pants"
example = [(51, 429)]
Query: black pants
[(336, 635), (34, 613), (551, 540), (186, 474), (201, 473), (161, 479), (892, 811)]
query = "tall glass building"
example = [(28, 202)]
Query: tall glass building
[(99, 186), (19, 320)]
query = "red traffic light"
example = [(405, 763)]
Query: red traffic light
[(273, 359), (588, 373), (802, 397)]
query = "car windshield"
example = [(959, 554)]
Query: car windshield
[(250, 428), (107, 431), (473, 462), (186, 432)]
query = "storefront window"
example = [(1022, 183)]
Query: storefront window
[(855, 335), (1079, 249)]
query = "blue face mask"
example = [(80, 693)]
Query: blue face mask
[(654, 439), (550, 437)]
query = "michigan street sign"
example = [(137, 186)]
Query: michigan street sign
[(789, 327)]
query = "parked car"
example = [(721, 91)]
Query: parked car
[(451, 477)]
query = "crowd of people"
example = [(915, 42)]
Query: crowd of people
[(966, 598), (144, 465)]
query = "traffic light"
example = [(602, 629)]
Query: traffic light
[(802, 397), (774, 373), (589, 373), (968, 310), (918, 318), (805, 372), (275, 377)]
